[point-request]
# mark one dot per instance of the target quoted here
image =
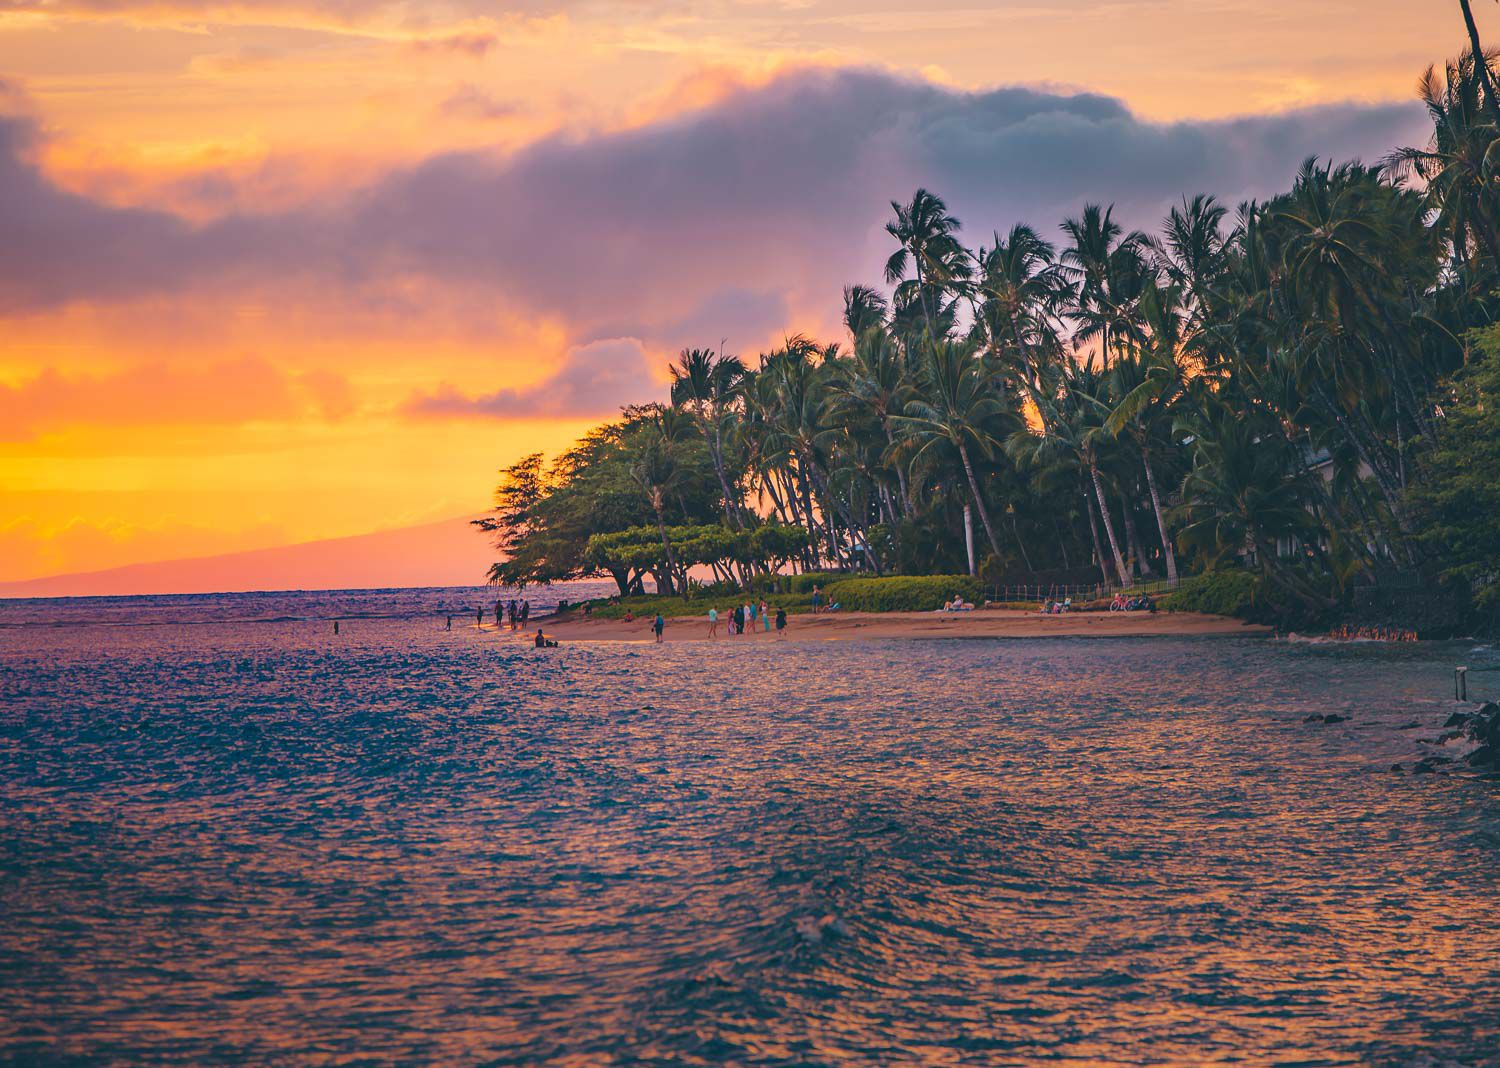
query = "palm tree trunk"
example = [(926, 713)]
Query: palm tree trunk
[(1142, 566), (1109, 526), (1481, 68), (666, 542), (1020, 543), (1088, 506), (890, 440), (984, 513), (1161, 522), (731, 503), (969, 537)]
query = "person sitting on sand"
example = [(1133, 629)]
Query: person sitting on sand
[(544, 642), (658, 624), (629, 616)]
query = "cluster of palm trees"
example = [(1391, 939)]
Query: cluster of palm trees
[(1254, 385)]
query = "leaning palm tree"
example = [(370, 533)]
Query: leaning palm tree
[(1458, 167), (958, 407)]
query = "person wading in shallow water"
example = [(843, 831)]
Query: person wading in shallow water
[(479, 617)]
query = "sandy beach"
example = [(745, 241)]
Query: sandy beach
[(984, 623)]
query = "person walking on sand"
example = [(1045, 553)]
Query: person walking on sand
[(479, 617), (713, 622), (780, 622), (659, 624)]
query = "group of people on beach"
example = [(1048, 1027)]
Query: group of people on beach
[(747, 615), (1373, 634), (512, 613)]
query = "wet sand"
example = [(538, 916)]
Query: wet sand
[(984, 623)]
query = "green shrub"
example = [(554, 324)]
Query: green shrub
[(794, 584), (1221, 593), (901, 593)]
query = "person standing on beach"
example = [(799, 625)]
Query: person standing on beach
[(713, 622), (817, 599), (780, 622), (765, 617), (525, 612), (479, 617), (499, 611), (658, 624)]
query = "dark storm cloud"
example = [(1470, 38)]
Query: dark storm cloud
[(779, 190)]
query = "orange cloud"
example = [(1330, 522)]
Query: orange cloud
[(221, 394)]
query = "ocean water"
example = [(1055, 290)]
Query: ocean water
[(256, 842)]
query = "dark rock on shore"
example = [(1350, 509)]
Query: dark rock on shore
[(1484, 728), (1332, 717)]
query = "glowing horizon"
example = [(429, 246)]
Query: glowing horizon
[(284, 271)]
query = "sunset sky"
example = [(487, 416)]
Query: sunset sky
[(281, 270)]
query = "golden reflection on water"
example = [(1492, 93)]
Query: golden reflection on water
[(250, 844)]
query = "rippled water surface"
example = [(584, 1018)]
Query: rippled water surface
[(259, 843)]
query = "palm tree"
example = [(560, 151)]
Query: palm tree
[(1481, 61), (1457, 167), (957, 407), (925, 232), (707, 385), (1244, 493), (1021, 289), (1110, 267), (1146, 380), (656, 471)]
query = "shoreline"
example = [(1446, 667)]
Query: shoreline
[(847, 626)]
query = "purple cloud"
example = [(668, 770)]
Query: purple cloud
[(593, 379), (779, 191)]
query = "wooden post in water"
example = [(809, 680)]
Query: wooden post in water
[(1461, 684), (335, 627)]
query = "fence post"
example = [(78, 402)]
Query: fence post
[(1461, 684)]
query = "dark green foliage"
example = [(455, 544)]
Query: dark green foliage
[(913, 593), (1221, 593), (1458, 500)]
